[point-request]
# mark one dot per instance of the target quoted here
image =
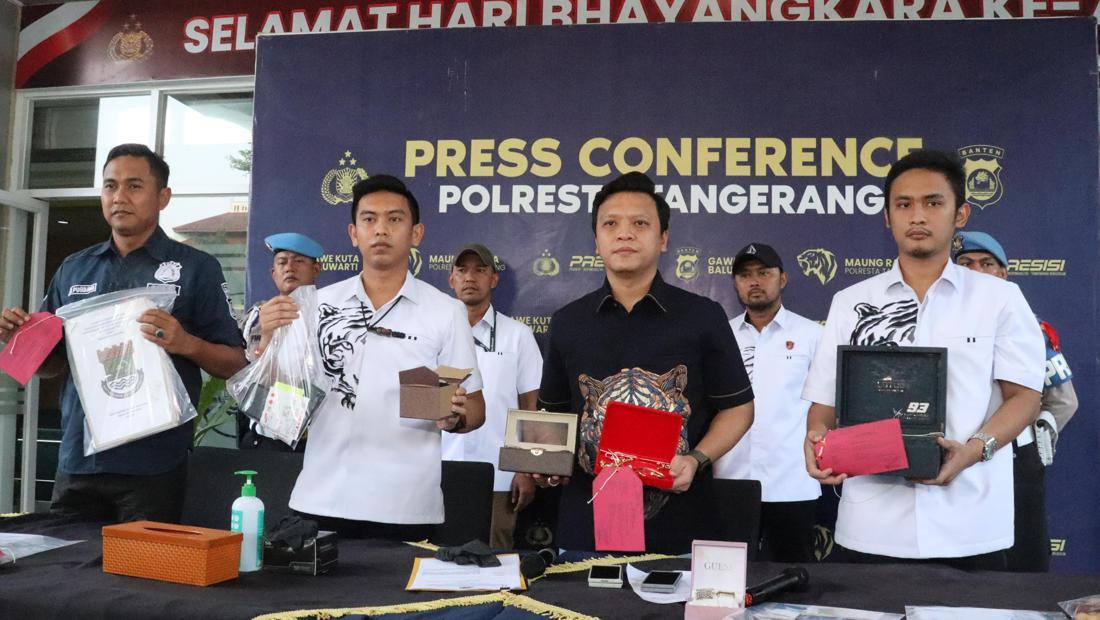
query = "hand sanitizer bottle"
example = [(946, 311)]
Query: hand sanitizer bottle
[(248, 518)]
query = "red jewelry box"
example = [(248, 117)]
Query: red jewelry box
[(641, 438)]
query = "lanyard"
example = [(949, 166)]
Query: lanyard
[(383, 331), (492, 336)]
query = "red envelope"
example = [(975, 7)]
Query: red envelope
[(30, 345), (871, 448), (617, 514), (642, 438)]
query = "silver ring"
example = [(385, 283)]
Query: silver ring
[(552, 483), (159, 333)]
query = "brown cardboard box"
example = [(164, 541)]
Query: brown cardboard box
[(180, 553), (426, 394)]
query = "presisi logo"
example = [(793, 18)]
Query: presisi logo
[(687, 263), (1036, 266), (338, 182), (416, 261), (546, 265), (585, 262), (819, 263), (1058, 546), (982, 165)]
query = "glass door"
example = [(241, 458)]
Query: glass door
[(23, 226)]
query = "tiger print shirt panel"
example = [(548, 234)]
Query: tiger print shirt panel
[(960, 308)]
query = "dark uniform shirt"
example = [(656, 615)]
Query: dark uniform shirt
[(596, 336), (202, 308)]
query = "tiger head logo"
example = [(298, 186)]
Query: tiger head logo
[(892, 324), (818, 262), (637, 387)]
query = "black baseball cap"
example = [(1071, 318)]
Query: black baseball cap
[(762, 252)]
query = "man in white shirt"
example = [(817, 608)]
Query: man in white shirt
[(367, 471), (964, 516), (777, 347), (511, 368)]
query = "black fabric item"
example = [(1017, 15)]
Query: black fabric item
[(787, 531), (473, 552), (292, 531), (212, 487), (1031, 551), (739, 516), (374, 573), (351, 528), (121, 497), (467, 503), (994, 561)]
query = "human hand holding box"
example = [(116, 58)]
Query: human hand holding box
[(863, 449), (641, 438)]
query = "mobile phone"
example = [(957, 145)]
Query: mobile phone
[(605, 576), (663, 581)]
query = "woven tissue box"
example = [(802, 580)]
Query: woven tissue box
[(168, 552)]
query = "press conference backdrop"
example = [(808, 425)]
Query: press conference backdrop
[(779, 133)]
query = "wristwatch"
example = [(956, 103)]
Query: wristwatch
[(989, 444), (702, 459)]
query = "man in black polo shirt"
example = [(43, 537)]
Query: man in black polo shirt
[(642, 341), (144, 479)]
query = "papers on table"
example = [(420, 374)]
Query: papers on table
[(22, 545), (786, 611), (978, 613), (439, 576)]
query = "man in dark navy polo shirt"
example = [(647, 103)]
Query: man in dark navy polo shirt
[(642, 341), (144, 479)]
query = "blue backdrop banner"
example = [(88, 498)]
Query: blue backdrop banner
[(779, 133)]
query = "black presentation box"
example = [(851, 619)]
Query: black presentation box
[(908, 383)]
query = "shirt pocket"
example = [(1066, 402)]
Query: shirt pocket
[(970, 356)]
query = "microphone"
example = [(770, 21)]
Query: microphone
[(789, 579), (534, 565)]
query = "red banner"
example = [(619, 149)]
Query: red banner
[(120, 41)]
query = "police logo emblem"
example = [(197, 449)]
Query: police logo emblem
[(687, 263), (416, 261), (818, 263), (982, 165), (131, 43), (546, 265), (337, 184), (169, 271), (121, 377)]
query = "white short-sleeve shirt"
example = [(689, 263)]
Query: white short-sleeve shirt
[(991, 334), (510, 364), (777, 360), (363, 461)]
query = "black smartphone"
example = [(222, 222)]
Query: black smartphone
[(605, 576), (661, 581)]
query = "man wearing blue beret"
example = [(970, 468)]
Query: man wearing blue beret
[(1033, 449), (295, 263)]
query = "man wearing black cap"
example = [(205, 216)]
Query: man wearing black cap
[(1033, 449), (640, 340), (511, 367), (777, 347), (295, 263)]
